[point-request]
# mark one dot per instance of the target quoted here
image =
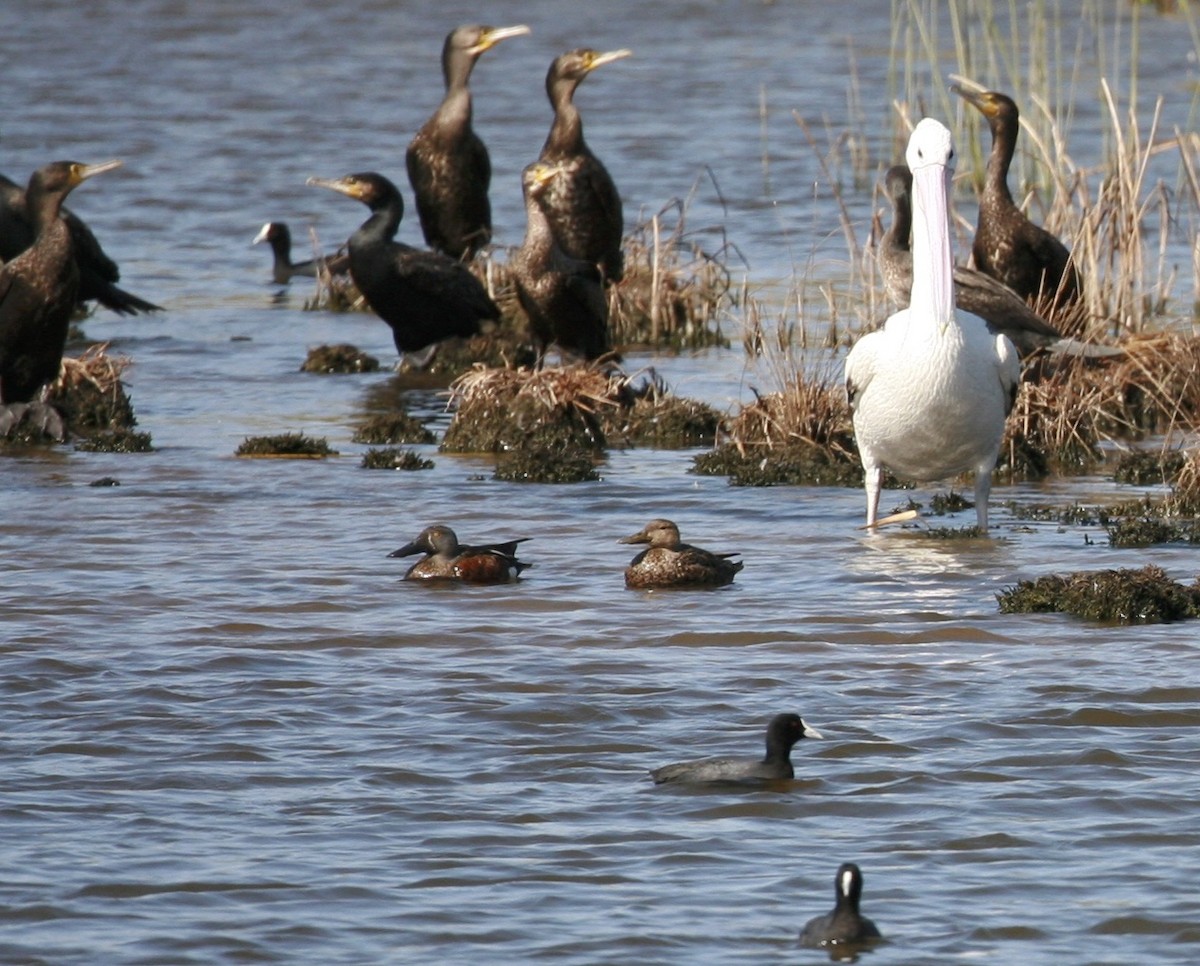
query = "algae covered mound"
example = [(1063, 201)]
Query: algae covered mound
[(1145, 596), (394, 459), (285, 446), (799, 436), (391, 428), (651, 415), (340, 358), (497, 410), (115, 441), (547, 464), (90, 395)]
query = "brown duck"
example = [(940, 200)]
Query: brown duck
[(1008, 246), (668, 562), (446, 559)]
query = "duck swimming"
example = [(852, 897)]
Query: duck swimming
[(670, 563), (845, 924), (783, 731), (446, 559), (283, 269)]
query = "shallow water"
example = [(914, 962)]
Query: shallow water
[(231, 734)]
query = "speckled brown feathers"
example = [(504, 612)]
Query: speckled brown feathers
[(563, 297), (1008, 246), (670, 563), (39, 287), (448, 164), (583, 206)]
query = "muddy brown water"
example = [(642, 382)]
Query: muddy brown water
[(231, 734)]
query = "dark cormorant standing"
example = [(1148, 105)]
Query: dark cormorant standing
[(39, 289), (563, 296), (448, 165), (584, 207), (98, 274), (283, 269), (998, 305), (1008, 246), (424, 296)]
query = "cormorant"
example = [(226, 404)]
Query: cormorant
[(669, 562), (448, 165), (584, 207), (999, 306), (563, 296), (424, 296), (930, 391), (39, 289), (1008, 246), (783, 731), (845, 924), (446, 559), (283, 269), (98, 274)]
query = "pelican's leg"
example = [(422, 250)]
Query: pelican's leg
[(872, 481), (983, 489)]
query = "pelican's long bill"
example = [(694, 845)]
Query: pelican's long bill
[(933, 263)]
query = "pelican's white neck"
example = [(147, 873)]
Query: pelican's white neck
[(933, 264), (930, 157)]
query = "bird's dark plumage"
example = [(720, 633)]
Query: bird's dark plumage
[(448, 164), (98, 274), (1008, 246), (998, 305), (668, 562), (783, 731), (424, 296), (562, 296), (446, 559), (39, 287), (584, 206), (283, 269), (845, 924)]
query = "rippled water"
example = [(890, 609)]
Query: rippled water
[(231, 734)]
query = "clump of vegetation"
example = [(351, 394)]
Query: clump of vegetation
[(674, 292), (1184, 500), (547, 464), (395, 459), (340, 358), (971, 532), (1147, 531), (89, 392), (1073, 515), (115, 441), (498, 410), (949, 502), (798, 435), (392, 428), (285, 446), (1145, 596), (1145, 468), (653, 416)]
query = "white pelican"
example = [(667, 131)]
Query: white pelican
[(931, 389)]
